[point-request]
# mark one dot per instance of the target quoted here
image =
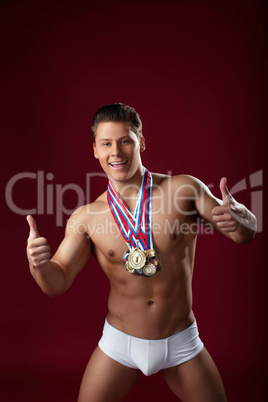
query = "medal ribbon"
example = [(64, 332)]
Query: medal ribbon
[(135, 229)]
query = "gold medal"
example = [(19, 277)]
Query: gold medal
[(136, 259), (149, 269), (141, 262), (150, 253), (130, 270)]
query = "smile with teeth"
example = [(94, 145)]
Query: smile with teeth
[(117, 165)]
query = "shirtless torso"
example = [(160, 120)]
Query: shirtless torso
[(148, 308), (159, 306)]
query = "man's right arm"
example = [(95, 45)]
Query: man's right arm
[(55, 275)]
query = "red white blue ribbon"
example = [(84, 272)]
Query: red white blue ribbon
[(135, 228)]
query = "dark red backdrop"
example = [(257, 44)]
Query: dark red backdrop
[(195, 73)]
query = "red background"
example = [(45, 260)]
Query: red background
[(195, 73)]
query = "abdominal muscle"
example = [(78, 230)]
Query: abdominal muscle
[(151, 308), (148, 307)]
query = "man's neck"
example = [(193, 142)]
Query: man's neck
[(129, 189)]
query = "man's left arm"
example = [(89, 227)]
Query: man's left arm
[(227, 215)]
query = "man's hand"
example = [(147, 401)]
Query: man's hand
[(38, 250), (230, 215)]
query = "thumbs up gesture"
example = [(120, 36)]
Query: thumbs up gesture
[(38, 250), (229, 216)]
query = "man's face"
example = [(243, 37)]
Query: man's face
[(118, 150)]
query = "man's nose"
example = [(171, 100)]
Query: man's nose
[(116, 150)]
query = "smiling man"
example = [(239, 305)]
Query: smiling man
[(147, 252)]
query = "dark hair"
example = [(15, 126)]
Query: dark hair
[(117, 112)]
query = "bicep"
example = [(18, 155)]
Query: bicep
[(72, 255)]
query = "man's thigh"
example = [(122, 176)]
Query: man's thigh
[(196, 380), (106, 380)]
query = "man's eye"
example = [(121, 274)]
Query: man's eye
[(105, 144), (125, 141)]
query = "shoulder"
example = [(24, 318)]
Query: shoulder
[(184, 184), (83, 215)]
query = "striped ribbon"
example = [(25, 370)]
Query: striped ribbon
[(135, 228)]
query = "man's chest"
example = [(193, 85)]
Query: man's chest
[(167, 231)]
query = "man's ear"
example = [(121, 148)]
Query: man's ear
[(142, 144), (95, 151)]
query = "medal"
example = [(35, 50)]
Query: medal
[(136, 229), (142, 262), (153, 265), (130, 270), (137, 258), (149, 269)]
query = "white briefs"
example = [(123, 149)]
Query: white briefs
[(148, 355)]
